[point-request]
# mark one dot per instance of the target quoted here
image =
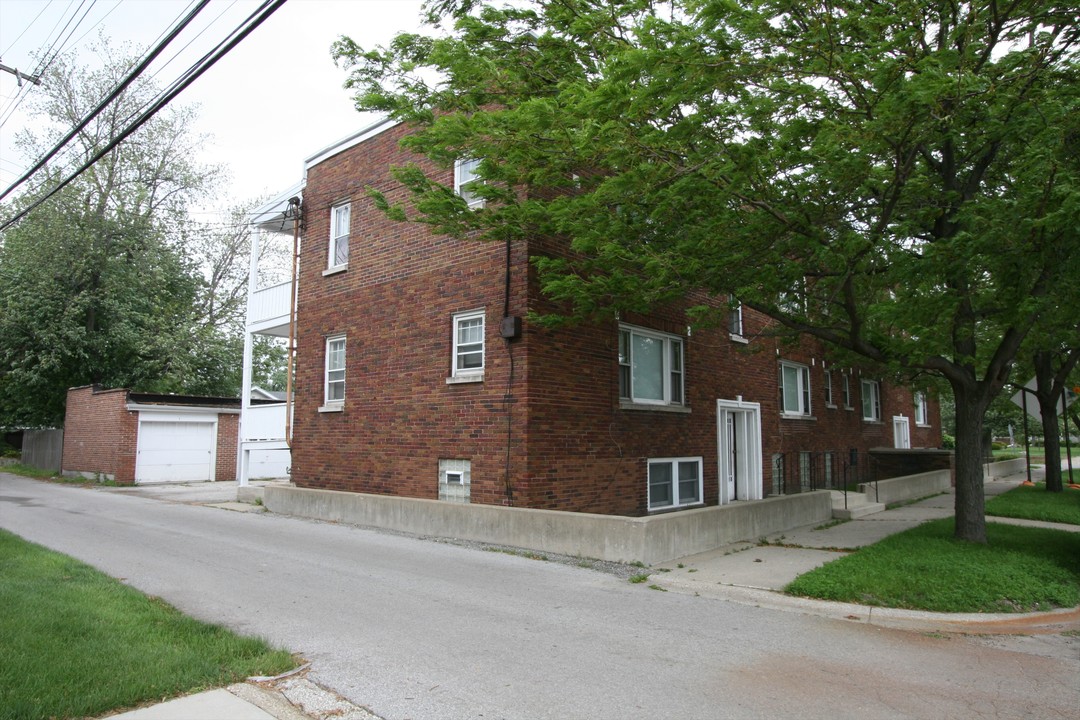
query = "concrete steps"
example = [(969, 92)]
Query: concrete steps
[(858, 505)]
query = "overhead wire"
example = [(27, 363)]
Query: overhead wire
[(102, 19), (29, 25), (260, 15), (157, 41), (124, 83), (49, 57)]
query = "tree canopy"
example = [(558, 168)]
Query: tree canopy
[(111, 281), (897, 179)]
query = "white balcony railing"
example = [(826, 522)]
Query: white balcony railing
[(269, 303), (263, 422)]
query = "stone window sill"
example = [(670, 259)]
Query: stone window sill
[(457, 380), (628, 405)]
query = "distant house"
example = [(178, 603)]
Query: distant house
[(135, 438), (418, 374)]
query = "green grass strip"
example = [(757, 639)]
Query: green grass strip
[(1034, 503), (1021, 569), (76, 643)]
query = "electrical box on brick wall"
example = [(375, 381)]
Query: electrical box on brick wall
[(510, 328)]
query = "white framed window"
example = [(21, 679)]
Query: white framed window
[(871, 400), (735, 320), (674, 482), (468, 350), (334, 386), (339, 235), (845, 383), (922, 416), (650, 367), (455, 480), (828, 389), (466, 180), (794, 389)]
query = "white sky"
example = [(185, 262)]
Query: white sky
[(274, 100)]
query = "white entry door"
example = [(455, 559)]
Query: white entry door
[(901, 432), (739, 450), (176, 451)]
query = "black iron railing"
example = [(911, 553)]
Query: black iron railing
[(805, 471)]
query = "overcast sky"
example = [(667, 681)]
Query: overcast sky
[(274, 100)]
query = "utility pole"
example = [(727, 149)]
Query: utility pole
[(20, 76)]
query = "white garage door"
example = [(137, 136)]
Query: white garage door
[(175, 452)]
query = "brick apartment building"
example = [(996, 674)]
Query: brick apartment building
[(410, 382)]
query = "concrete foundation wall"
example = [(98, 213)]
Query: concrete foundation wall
[(1003, 468), (909, 487), (605, 537)]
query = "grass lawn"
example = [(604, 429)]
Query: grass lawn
[(1032, 502), (1021, 570), (76, 643), (26, 470)]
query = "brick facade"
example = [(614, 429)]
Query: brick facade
[(101, 434), (554, 435)]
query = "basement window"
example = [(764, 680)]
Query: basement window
[(455, 479)]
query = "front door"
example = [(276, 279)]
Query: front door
[(901, 432), (739, 450)]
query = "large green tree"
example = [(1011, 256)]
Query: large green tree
[(109, 281), (892, 178)]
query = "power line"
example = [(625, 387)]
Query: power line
[(264, 11), (102, 19), (16, 40), (45, 61), (128, 79)]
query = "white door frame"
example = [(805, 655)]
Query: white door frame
[(738, 465), (901, 432)]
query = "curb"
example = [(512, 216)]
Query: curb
[(893, 618)]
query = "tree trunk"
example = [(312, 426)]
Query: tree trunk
[(970, 505), (1052, 446), (1049, 390)]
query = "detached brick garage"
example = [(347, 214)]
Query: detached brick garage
[(135, 438)]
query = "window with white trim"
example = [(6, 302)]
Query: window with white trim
[(922, 416), (674, 482), (871, 400), (339, 235), (466, 180), (735, 320), (828, 389), (845, 382), (468, 352), (650, 367), (334, 388), (794, 388)]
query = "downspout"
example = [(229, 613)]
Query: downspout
[(509, 329), (294, 210)]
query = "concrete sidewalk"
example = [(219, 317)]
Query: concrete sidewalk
[(757, 572), (291, 698)]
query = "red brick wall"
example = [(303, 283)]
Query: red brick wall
[(100, 434), (572, 446), (228, 434)]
